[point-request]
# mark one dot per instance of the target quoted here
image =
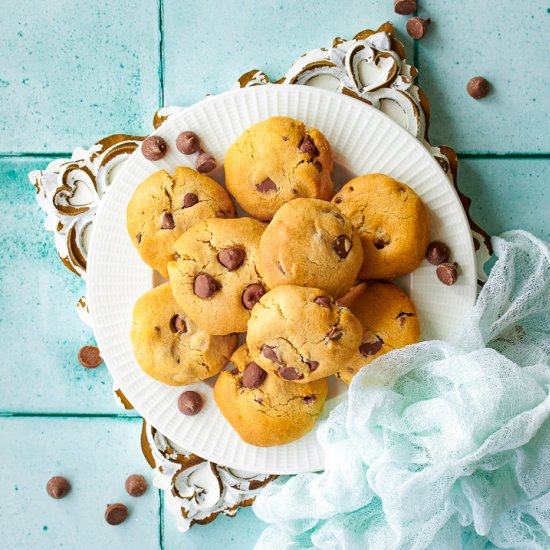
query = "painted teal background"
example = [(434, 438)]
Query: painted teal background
[(73, 71)]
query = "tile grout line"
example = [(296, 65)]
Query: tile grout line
[(68, 415), (161, 52), (161, 518)]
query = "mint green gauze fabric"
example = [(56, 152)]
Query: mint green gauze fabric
[(442, 445)]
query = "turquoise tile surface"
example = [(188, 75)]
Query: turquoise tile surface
[(80, 71), (40, 328), (269, 35), (507, 42), (96, 456)]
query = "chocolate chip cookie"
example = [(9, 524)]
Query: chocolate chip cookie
[(311, 243), (392, 222), (164, 206), (262, 408), (215, 277), (389, 320), (302, 334), (169, 347), (275, 161)]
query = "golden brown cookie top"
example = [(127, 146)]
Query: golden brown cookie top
[(164, 206), (392, 222), (275, 161), (301, 333), (311, 243)]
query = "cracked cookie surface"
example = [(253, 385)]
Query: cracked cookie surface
[(169, 347), (215, 276), (275, 161), (164, 206), (310, 243), (389, 320), (392, 222), (301, 334), (262, 408)]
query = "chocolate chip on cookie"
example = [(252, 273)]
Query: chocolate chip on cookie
[(253, 376), (447, 273), (342, 246), (322, 301), (371, 347), (153, 148), (307, 145), (58, 487), (334, 334), (205, 285), (190, 403), (309, 399), (231, 257), (266, 186), (289, 373), (89, 357), (252, 294), (116, 513), (177, 325), (167, 221), (190, 200), (138, 238), (188, 142), (381, 241), (437, 253), (313, 365), (205, 163), (270, 353)]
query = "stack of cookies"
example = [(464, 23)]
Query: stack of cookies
[(305, 276)]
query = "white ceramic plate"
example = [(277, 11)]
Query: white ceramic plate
[(364, 140)]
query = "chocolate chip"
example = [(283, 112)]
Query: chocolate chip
[(138, 238), (58, 487), (231, 258), (293, 191), (318, 166), (284, 138), (259, 400), (188, 143), (253, 376), (116, 513), (342, 246), (403, 316), (334, 334), (380, 242), (437, 253), (337, 200), (189, 403), (404, 7), (313, 365), (153, 148), (136, 485), (269, 353), (205, 286), (309, 399), (189, 200), (447, 273), (478, 87), (322, 301), (266, 186), (234, 371), (205, 163), (370, 348), (289, 373), (89, 357), (280, 268), (167, 221), (156, 329), (252, 294), (417, 27), (177, 325), (307, 145)]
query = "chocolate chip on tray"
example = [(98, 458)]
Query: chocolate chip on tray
[(58, 487), (190, 403), (89, 357), (447, 273), (154, 148), (116, 513), (437, 253), (205, 163), (478, 87), (253, 376), (136, 485), (417, 27), (404, 7), (188, 142)]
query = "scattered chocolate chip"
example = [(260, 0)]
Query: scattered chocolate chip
[(252, 294), (313, 365), (337, 200), (58, 487), (289, 373), (205, 163), (342, 246), (138, 238), (205, 286), (269, 353), (116, 513), (322, 301), (136, 485), (153, 148), (417, 27), (307, 145), (404, 7), (177, 325), (266, 186), (309, 399), (89, 357), (167, 221), (478, 87), (189, 403), (253, 376), (318, 166), (189, 200), (437, 253), (231, 258), (280, 268), (447, 273), (380, 242), (334, 334), (188, 143), (370, 348)]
